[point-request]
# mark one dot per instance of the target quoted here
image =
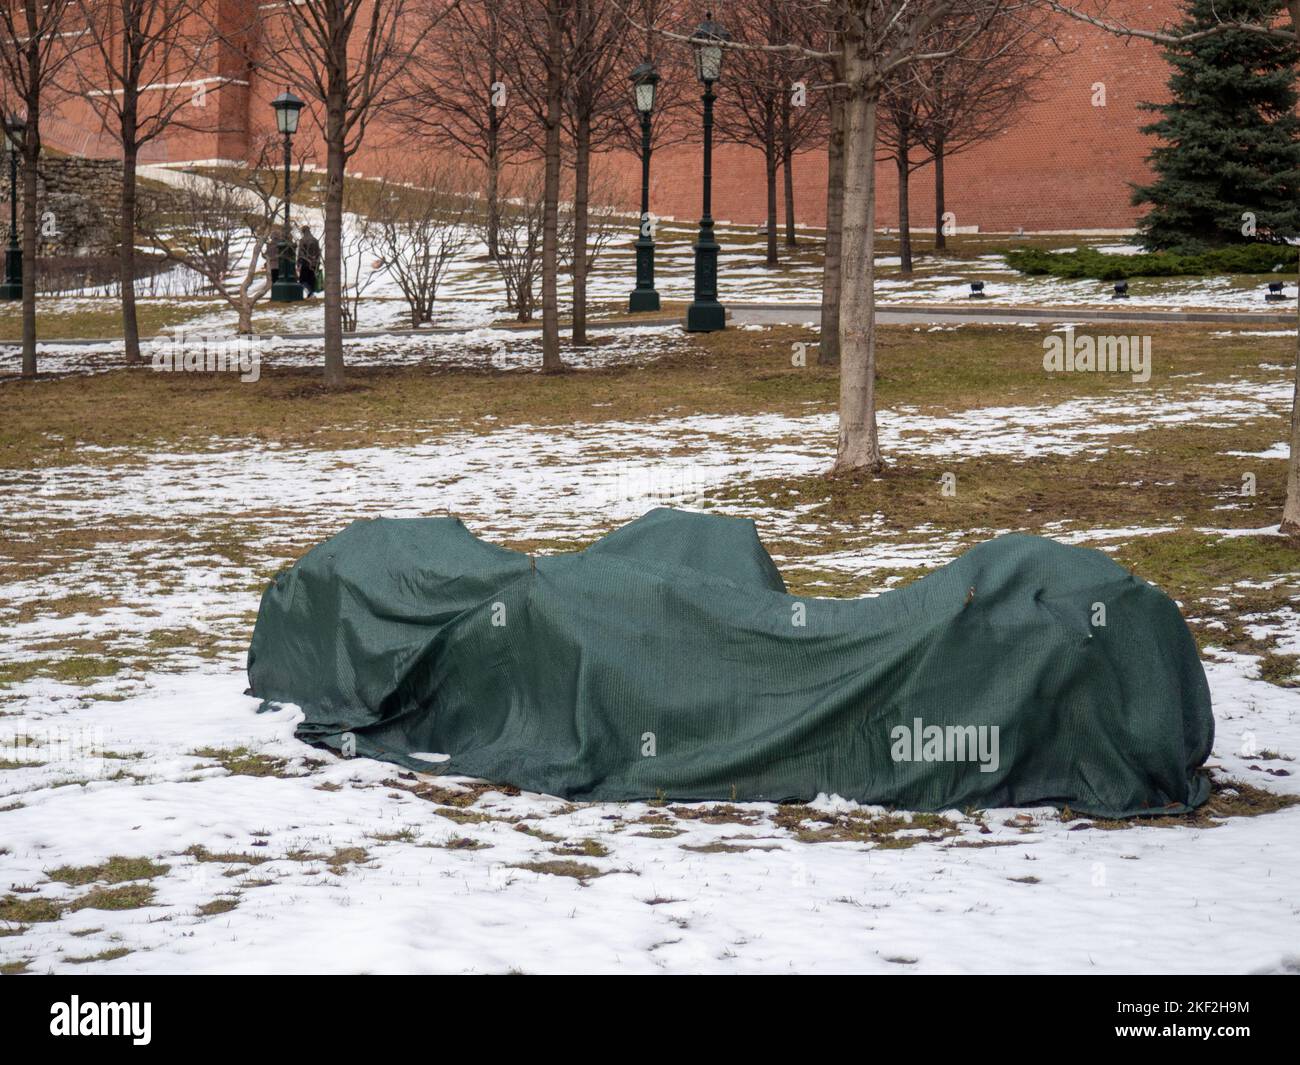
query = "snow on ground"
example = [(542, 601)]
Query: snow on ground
[(476, 349), (508, 483), (335, 866), (325, 865)]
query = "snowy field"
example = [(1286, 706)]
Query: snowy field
[(249, 851)]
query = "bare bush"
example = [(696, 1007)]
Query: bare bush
[(220, 228), (519, 223), (417, 227), (605, 220)]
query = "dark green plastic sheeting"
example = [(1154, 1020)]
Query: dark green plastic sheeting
[(667, 660)]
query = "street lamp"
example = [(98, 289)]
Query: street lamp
[(286, 288), (644, 297), (12, 289), (706, 314)]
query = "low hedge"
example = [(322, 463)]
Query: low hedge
[(1255, 258)]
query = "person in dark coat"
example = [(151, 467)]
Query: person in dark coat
[(308, 261)]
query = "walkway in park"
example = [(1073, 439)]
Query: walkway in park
[(810, 314)]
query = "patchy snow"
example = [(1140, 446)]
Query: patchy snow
[(340, 866), (1026, 892), (1280, 450), (479, 348), (518, 482), (471, 295)]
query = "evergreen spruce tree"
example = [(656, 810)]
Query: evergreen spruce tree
[(1229, 168)]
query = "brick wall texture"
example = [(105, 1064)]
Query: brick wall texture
[(1064, 164)]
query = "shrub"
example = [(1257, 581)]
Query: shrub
[(1256, 258)]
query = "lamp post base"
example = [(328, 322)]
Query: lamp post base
[(286, 288), (705, 316), (643, 299), (12, 287), (286, 291)]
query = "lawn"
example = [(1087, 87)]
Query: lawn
[(145, 511)]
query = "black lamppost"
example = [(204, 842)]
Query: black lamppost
[(12, 289), (706, 314), (286, 288), (644, 297)]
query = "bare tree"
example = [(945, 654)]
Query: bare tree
[(454, 92), (519, 225), (39, 40), (803, 125), (828, 350), (221, 228), (137, 73), (351, 51), (676, 113), (603, 222), (600, 53), (357, 269), (880, 39), (806, 105), (757, 84), (939, 107), (556, 13), (539, 71), (1288, 31), (900, 119), (971, 97), (873, 40), (418, 226)]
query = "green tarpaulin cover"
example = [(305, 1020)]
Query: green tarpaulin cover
[(667, 660)]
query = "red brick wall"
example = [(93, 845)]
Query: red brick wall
[(1065, 164)]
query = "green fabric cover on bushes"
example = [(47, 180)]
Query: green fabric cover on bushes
[(667, 660)]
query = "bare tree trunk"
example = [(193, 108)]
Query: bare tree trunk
[(859, 444), (904, 219), (787, 160), (940, 238), (828, 351), (551, 361), (1291, 508), (772, 162), (31, 153), (126, 249), (333, 258), (494, 196), (581, 196)]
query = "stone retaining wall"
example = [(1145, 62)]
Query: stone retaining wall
[(78, 201)]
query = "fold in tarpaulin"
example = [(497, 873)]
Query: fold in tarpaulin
[(668, 661)]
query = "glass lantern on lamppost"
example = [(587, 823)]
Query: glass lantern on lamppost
[(286, 288), (12, 289), (644, 297), (706, 314)]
